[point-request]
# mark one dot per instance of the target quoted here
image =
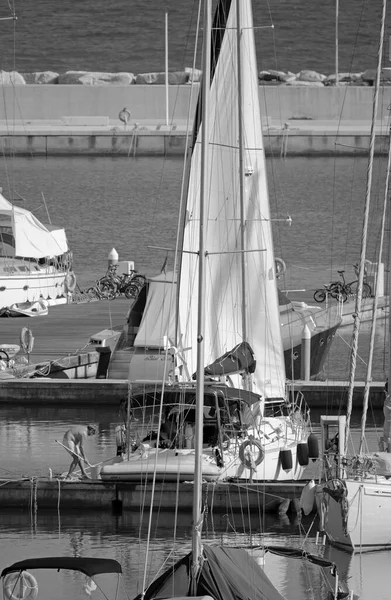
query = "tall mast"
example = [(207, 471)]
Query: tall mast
[(375, 305), (357, 311), (198, 437), (241, 168), (389, 282)]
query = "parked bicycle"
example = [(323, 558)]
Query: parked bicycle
[(342, 290), (112, 285)]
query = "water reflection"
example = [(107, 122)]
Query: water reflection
[(123, 538), (367, 574)]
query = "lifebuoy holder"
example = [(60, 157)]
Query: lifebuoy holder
[(20, 586), (247, 457)]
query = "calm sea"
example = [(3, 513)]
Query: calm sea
[(132, 204), (128, 35)]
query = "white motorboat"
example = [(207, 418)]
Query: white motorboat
[(35, 261)]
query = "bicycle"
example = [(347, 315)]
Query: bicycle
[(341, 290), (112, 285)]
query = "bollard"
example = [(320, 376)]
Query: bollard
[(112, 258), (305, 353)]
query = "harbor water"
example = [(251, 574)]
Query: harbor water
[(95, 35), (132, 204)]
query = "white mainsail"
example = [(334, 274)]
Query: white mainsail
[(223, 293)]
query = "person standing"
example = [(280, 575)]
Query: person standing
[(74, 444)]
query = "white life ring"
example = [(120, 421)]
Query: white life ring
[(27, 340), (70, 282), (20, 586), (280, 267), (247, 457), (124, 115)]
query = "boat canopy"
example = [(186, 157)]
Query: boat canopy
[(226, 574), (150, 395), (88, 566), (32, 239), (232, 574)]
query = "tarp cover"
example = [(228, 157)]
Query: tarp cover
[(88, 566), (32, 238), (240, 358), (227, 574)]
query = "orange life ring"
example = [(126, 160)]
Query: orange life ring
[(249, 460), (20, 586), (280, 267), (70, 282)]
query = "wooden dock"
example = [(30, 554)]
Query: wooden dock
[(63, 335), (67, 328), (43, 493)]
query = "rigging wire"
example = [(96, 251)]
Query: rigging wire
[(364, 236)]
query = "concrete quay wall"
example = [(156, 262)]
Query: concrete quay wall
[(47, 120), (330, 395), (147, 102)]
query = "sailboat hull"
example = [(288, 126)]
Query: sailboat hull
[(321, 340), (362, 522), (179, 465)]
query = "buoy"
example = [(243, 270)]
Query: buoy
[(307, 498), (286, 459), (112, 257), (20, 586), (302, 454), (313, 446)]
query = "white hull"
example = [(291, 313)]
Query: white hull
[(34, 284), (368, 519), (348, 309), (179, 464)]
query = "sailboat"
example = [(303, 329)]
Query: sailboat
[(354, 504), (219, 571), (251, 429)]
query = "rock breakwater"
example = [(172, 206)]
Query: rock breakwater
[(189, 75)]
